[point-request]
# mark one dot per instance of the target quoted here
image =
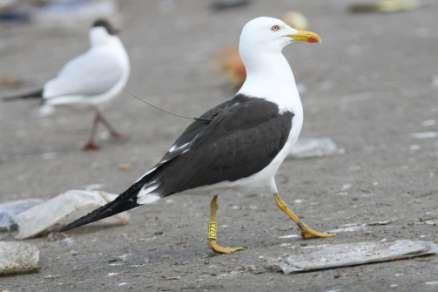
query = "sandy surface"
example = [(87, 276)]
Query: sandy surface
[(369, 86)]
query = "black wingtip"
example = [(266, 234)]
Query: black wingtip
[(91, 217), (117, 206), (125, 201), (34, 94)]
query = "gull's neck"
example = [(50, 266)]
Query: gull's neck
[(100, 40), (269, 76), (98, 37)]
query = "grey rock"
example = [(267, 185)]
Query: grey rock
[(321, 257), (314, 147), (63, 209), (7, 223), (70, 14), (228, 4), (18, 257), (10, 209)]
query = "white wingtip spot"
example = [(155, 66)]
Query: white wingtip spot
[(144, 199), (172, 148), (179, 147), (145, 196)]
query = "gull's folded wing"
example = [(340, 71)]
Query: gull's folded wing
[(94, 73), (243, 137)]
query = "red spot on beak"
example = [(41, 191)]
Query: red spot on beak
[(312, 40)]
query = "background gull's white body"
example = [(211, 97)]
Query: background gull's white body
[(93, 78)]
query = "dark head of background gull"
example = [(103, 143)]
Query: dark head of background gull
[(240, 143), (103, 23)]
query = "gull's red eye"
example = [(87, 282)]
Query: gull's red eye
[(275, 28)]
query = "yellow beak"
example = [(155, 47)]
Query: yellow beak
[(305, 36)]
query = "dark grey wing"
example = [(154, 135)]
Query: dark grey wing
[(243, 137), (192, 132)]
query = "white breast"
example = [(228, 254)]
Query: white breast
[(272, 78)]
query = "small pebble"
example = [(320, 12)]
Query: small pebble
[(435, 81), (414, 147), (124, 166), (296, 20), (112, 274), (428, 123), (425, 135)]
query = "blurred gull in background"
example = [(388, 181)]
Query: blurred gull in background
[(89, 80)]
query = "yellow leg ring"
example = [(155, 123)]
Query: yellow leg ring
[(212, 232)]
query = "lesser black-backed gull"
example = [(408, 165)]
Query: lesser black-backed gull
[(240, 143)]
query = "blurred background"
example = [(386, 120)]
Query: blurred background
[(371, 86)]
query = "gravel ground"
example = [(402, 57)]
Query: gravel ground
[(370, 85)]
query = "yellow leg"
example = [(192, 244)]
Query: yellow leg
[(306, 231), (212, 232)]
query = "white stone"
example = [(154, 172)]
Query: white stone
[(64, 209), (327, 256), (18, 257)]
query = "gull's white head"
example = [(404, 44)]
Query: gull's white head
[(271, 35), (268, 73), (102, 32)]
